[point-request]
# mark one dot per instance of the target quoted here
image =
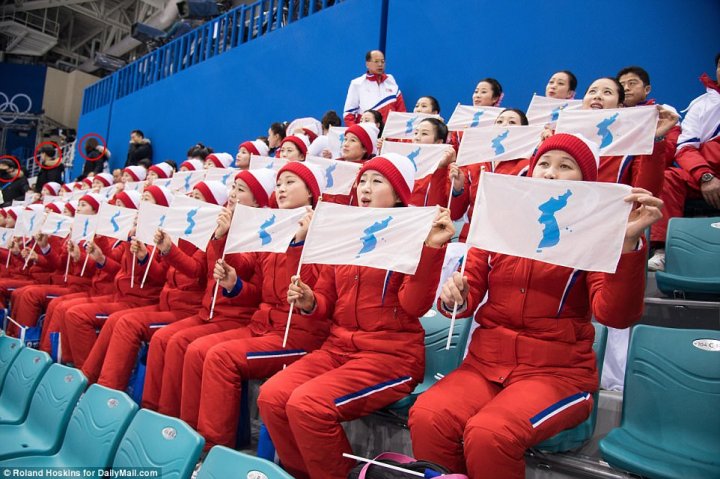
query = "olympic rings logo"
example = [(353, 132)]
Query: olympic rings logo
[(10, 105)]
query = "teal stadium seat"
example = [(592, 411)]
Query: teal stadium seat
[(671, 406), (438, 360), (221, 460), (156, 440), (9, 349), (52, 405), (97, 424), (576, 437), (692, 259), (23, 377)]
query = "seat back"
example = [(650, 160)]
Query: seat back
[(156, 440), (672, 391), (221, 460), (23, 377), (97, 424), (438, 360), (9, 349), (53, 402)]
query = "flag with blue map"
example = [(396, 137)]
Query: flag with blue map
[(6, 235), (468, 116), (83, 227), (384, 238), (336, 137), (262, 229), (545, 110), (57, 225), (164, 182), (115, 221), (619, 131), (402, 125), (498, 143), (30, 221), (425, 158), (150, 218), (269, 162), (138, 186), (184, 181), (192, 220), (226, 176), (339, 175), (108, 192), (576, 224)]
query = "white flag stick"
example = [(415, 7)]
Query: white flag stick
[(21, 327), (452, 320), (450, 196), (7, 263), (132, 271), (217, 286), (67, 267), (147, 267), (27, 260), (292, 306), (382, 464)]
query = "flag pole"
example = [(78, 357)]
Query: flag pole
[(82, 272), (67, 267), (454, 313), (215, 292), (147, 267), (27, 260), (383, 464), (132, 271)]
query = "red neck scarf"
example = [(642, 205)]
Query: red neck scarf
[(376, 78), (709, 82)]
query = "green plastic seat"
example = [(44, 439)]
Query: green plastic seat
[(156, 440), (576, 437), (23, 377), (692, 259), (9, 349), (97, 424), (52, 405), (438, 360), (671, 406), (221, 460)]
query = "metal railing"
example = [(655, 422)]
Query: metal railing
[(213, 38), (32, 20), (68, 156)]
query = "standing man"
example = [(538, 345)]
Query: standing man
[(140, 150), (14, 182), (375, 90)]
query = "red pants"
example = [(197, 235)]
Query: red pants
[(163, 376), (82, 322), (226, 366), (7, 286), (54, 321), (30, 301), (679, 185), (303, 406), (466, 422), (113, 356)]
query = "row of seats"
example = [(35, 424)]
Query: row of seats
[(49, 419)]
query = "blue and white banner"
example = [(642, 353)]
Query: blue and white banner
[(29, 221), (269, 162), (403, 125), (468, 116), (83, 227), (6, 235), (108, 192), (619, 131), (544, 110), (164, 182), (56, 225), (115, 221), (192, 220), (336, 137), (226, 176), (138, 186), (577, 224), (384, 238), (339, 175), (184, 181), (425, 158), (498, 143), (151, 217), (262, 229)]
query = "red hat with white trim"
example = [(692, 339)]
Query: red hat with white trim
[(56, 207), (160, 194), (72, 206), (367, 133), (129, 199), (220, 160), (255, 147), (52, 187), (192, 165), (312, 175), (214, 192), (93, 199), (398, 170), (163, 170), (105, 178), (301, 141), (261, 183), (138, 173)]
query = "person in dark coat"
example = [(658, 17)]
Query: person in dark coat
[(140, 151), (52, 168), (15, 189), (98, 155)]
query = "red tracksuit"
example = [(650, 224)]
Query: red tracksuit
[(82, 321), (431, 190), (163, 379), (220, 362), (465, 201), (374, 356), (112, 358), (530, 369), (14, 276), (641, 171)]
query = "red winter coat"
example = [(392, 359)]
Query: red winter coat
[(182, 290)]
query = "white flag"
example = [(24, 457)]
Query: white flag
[(83, 227), (108, 192), (498, 143), (138, 186), (262, 229), (226, 176), (6, 235), (545, 110), (339, 175), (47, 199), (164, 182), (184, 181), (403, 125), (619, 131), (19, 202), (150, 218), (425, 158), (56, 225), (192, 220), (467, 116), (29, 222), (385, 238), (269, 162), (577, 224), (115, 221), (336, 137)]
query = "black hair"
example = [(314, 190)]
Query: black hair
[(264, 139), (330, 118), (496, 86), (620, 89), (9, 163), (639, 71), (434, 103), (378, 120), (49, 150), (171, 163), (138, 133), (571, 78), (441, 129), (199, 151), (279, 129), (520, 113), (91, 144), (368, 55)]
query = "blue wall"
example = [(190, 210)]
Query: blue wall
[(443, 49), (28, 80)]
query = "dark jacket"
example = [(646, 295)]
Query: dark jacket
[(97, 166), (140, 154), (14, 190), (47, 176)]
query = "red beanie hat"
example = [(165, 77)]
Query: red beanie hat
[(56, 207), (72, 206), (129, 199), (255, 147), (398, 170), (93, 200), (104, 178), (138, 173), (583, 151), (52, 187), (367, 133), (3, 212), (192, 165), (261, 182), (163, 170), (88, 181), (298, 141), (161, 195), (214, 192), (311, 175)]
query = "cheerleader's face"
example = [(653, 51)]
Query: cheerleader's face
[(602, 94), (291, 191), (557, 165), (559, 86), (483, 95), (241, 194), (374, 190), (242, 159)]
